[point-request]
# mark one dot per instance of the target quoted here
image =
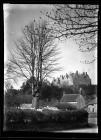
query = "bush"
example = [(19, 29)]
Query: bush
[(46, 116), (65, 106), (44, 103), (14, 115), (13, 101)]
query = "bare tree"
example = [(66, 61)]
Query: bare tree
[(48, 52), (8, 85), (77, 21), (34, 56)]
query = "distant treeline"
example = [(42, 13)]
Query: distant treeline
[(89, 90), (15, 97)]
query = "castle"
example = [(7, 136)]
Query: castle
[(74, 79)]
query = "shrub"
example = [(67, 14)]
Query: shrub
[(44, 103), (18, 115), (12, 101), (14, 115), (65, 106)]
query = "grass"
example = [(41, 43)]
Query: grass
[(43, 127)]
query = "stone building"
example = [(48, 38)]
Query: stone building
[(91, 107), (74, 99), (81, 79), (75, 79)]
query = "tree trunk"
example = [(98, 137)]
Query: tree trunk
[(35, 102), (35, 98)]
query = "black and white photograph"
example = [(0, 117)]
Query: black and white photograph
[(50, 67)]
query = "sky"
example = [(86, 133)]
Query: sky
[(16, 16)]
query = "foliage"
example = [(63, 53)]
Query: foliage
[(15, 97), (90, 89), (47, 91), (44, 103), (77, 21), (70, 90), (18, 116), (36, 54), (50, 91), (66, 106), (8, 84), (12, 92), (17, 100), (57, 92)]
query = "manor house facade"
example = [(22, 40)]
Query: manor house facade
[(75, 79)]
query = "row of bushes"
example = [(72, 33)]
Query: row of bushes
[(65, 106), (12, 101), (44, 103), (46, 116), (17, 100)]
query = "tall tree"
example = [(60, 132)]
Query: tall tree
[(77, 21), (8, 85), (34, 56)]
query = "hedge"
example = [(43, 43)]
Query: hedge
[(19, 116), (17, 100), (64, 106)]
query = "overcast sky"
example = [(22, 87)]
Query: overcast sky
[(16, 16)]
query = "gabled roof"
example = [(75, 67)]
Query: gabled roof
[(69, 97)]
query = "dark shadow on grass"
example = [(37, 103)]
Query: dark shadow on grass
[(45, 127)]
